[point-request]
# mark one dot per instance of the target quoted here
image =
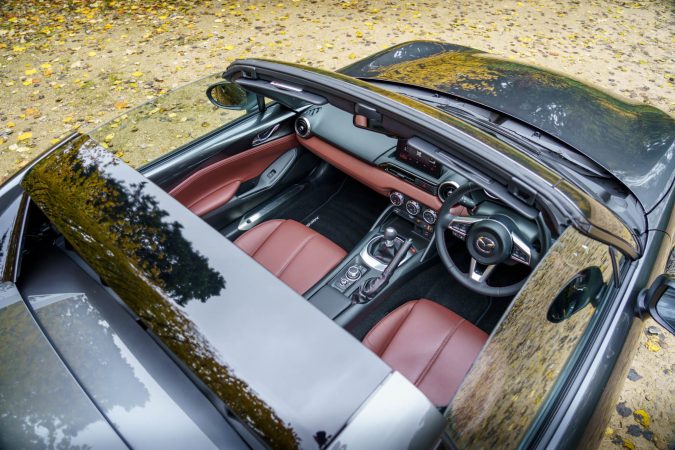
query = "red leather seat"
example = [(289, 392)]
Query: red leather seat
[(428, 344), (297, 255)]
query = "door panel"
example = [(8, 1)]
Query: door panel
[(212, 186), (225, 142)]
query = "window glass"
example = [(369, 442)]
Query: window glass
[(164, 124)]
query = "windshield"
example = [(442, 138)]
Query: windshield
[(164, 124)]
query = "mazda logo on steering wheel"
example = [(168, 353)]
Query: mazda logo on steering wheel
[(485, 245)]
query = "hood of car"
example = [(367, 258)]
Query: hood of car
[(635, 142)]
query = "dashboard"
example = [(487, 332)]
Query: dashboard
[(397, 157), (415, 183), (402, 169)]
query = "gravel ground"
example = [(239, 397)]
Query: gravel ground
[(68, 65)]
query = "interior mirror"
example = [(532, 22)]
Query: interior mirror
[(659, 301), (368, 118), (231, 96)]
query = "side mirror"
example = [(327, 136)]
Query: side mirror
[(659, 301), (231, 96)]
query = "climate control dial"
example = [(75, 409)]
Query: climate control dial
[(412, 207), (429, 216), (396, 198)]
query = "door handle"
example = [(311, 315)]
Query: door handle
[(264, 136)]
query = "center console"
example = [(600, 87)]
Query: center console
[(397, 245)]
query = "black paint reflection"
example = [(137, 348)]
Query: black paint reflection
[(40, 405), (635, 142), (86, 342), (136, 224), (118, 228)]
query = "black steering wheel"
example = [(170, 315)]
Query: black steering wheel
[(489, 240)]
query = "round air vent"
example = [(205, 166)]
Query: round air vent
[(446, 188), (302, 127)]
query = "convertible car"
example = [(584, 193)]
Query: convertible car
[(430, 248)]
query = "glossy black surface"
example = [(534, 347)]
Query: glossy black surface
[(635, 142), (131, 380), (41, 405), (279, 364)]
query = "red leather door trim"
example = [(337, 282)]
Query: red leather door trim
[(374, 177), (214, 185)]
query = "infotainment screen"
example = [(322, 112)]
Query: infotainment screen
[(417, 159)]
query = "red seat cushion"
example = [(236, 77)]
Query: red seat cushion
[(297, 255), (430, 345)]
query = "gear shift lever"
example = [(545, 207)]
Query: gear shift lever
[(385, 248), (372, 286), (390, 236)]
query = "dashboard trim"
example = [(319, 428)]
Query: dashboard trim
[(370, 175)]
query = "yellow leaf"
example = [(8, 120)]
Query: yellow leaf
[(627, 443), (352, 56), (137, 74), (92, 53), (24, 136), (229, 47), (45, 65), (121, 104), (30, 71), (11, 124), (652, 346), (68, 119), (54, 141), (359, 34), (641, 417), (33, 112), (19, 49), (28, 82), (109, 137)]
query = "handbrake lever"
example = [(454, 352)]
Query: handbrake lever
[(372, 286)]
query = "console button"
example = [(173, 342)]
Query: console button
[(353, 273)]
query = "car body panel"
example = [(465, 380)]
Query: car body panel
[(130, 379), (412, 427), (265, 351), (526, 354), (635, 142), (41, 404)]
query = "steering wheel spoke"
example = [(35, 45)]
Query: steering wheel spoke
[(460, 225), (480, 272), (521, 252)]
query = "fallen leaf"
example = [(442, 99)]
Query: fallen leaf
[(24, 136), (642, 417)]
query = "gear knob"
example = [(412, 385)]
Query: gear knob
[(389, 236)]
